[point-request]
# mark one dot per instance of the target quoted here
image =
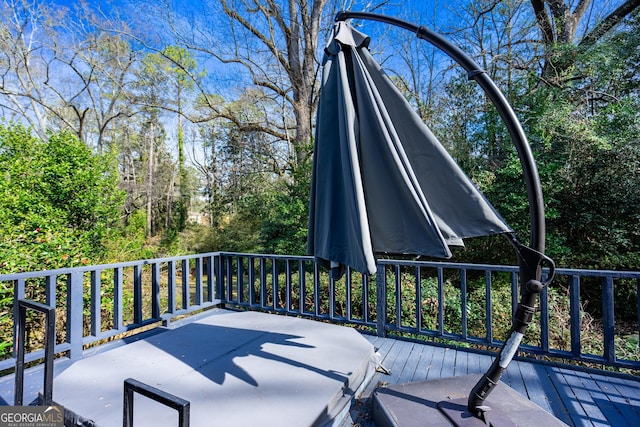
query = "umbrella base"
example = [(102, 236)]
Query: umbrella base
[(443, 402)]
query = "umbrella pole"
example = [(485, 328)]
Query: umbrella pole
[(530, 262)]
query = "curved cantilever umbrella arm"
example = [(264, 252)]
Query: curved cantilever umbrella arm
[(530, 258)]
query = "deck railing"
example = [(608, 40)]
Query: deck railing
[(460, 304)]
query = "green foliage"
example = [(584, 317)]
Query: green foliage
[(285, 224), (58, 201), (131, 243)]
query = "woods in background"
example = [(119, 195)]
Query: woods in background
[(152, 114)]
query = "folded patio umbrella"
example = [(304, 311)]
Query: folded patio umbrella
[(382, 182)]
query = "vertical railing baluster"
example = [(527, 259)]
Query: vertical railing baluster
[(316, 289), (117, 299), (440, 301), (347, 285), (544, 319), (514, 293), (137, 294), (332, 296), (302, 282), (488, 306), (18, 294), (171, 287), (574, 314), (381, 301), (274, 282), (398, 293), (366, 315), (155, 290), (287, 285), (252, 281), (638, 311), (229, 278), (186, 286), (418, 301), (463, 302), (95, 303), (608, 319), (210, 279), (240, 279), (199, 296), (263, 283)]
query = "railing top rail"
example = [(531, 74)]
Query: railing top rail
[(449, 265), (433, 264), (270, 256), (599, 273), (89, 268)]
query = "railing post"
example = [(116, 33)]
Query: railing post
[(381, 301), (75, 311)]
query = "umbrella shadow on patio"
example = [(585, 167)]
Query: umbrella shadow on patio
[(219, 351)]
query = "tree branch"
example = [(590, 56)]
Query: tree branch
[(544, 22), (607, 23)]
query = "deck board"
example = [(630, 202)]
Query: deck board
[(424, 364), (577, 397)]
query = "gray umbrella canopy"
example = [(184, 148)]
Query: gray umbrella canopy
[(382, 182)]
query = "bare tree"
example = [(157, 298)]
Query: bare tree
[(273, 45), (57, 71)]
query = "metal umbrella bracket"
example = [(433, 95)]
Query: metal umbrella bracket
[(383, 183)]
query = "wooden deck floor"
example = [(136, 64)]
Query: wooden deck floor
[(576, 397)]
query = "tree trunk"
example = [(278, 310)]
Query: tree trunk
[(151, 138), (558, 25)]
